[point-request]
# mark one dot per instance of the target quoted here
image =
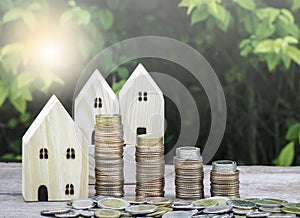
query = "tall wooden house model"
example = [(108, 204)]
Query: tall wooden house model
[(55, 157)]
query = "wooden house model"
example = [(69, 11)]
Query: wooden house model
[(141, 105), (55, 157), (96, 97)]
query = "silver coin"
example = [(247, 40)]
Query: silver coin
[(218, 209), (256, 214)]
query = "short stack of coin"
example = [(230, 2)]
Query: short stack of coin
[(109, 156), (150, 166), (189, 174), (224, 179)]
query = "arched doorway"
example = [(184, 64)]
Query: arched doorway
[(43, 193)]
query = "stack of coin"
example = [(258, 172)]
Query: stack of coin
[(224, 179), (150, 166), (109, 156), (188, 164)]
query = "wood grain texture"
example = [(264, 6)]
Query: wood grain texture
[(256, 181), (84, 105), (54, 130), (136, 111)]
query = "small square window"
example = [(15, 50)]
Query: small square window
[(141, 131)]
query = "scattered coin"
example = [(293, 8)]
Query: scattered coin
[(182, 205), (294, 210), (70, 214), (55, 211), (267, 203), (240, 211), (256, 214), (160, 211), (220, 200), (218, 209), (178, 214), (86, 213), (282, 215), (241, 204), (270, 209), (207, 202), (107, 213), (113, 203), (287, 204), (159, 201), (82, 204), (141, 209)]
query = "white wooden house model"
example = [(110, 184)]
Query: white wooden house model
[(141, 105), (55, 157), (96, 97)]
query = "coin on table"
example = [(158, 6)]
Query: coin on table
[(287, 204), (282, 215), (241, 204), (276, 200), (256, 214), (208, 202), (86, 213), (141, 209), (83, 204), (294, 210), (270, 209), (218, 209), (240, 211), (160, 211), (70, 214), (182, 205), (107, 213), (159, 201), (113, 203), (220, 200), (55, 211), (178, 214), (267, 203)]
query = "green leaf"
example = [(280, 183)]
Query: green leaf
[(25, 79), (291, 40), (288, 15), (12, 123), (19, 104), (12, 15), (272, 61), (25, 117), (85, 47), (123, 72), (293, 53), (106, 18), (4, 91), (293, 132), (29, 19), (72, 3), (264, 46), (246, 50), (34, 6), (49, 78), (286, 155), (264, 30), (190, 4), (12, 49), (244, 42), (268, 13), (295, 5), (77, 15), (199, 15), (286, 61), (113, 4), (248, 4)]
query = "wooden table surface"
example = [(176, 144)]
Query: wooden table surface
[(255, 181)]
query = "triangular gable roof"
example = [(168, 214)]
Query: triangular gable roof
[(95, 80), (53, 101), (139, 71)]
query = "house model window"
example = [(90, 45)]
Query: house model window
[(69, 189), (143, 96), (43, 153), (98, 103), (70, 153)]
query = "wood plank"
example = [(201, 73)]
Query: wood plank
[(256, 181)]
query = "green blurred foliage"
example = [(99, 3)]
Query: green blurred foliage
[(252, 45)]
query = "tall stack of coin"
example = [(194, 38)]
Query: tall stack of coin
[(109, 156), (224, 179), (188, 164), (150, 166)]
